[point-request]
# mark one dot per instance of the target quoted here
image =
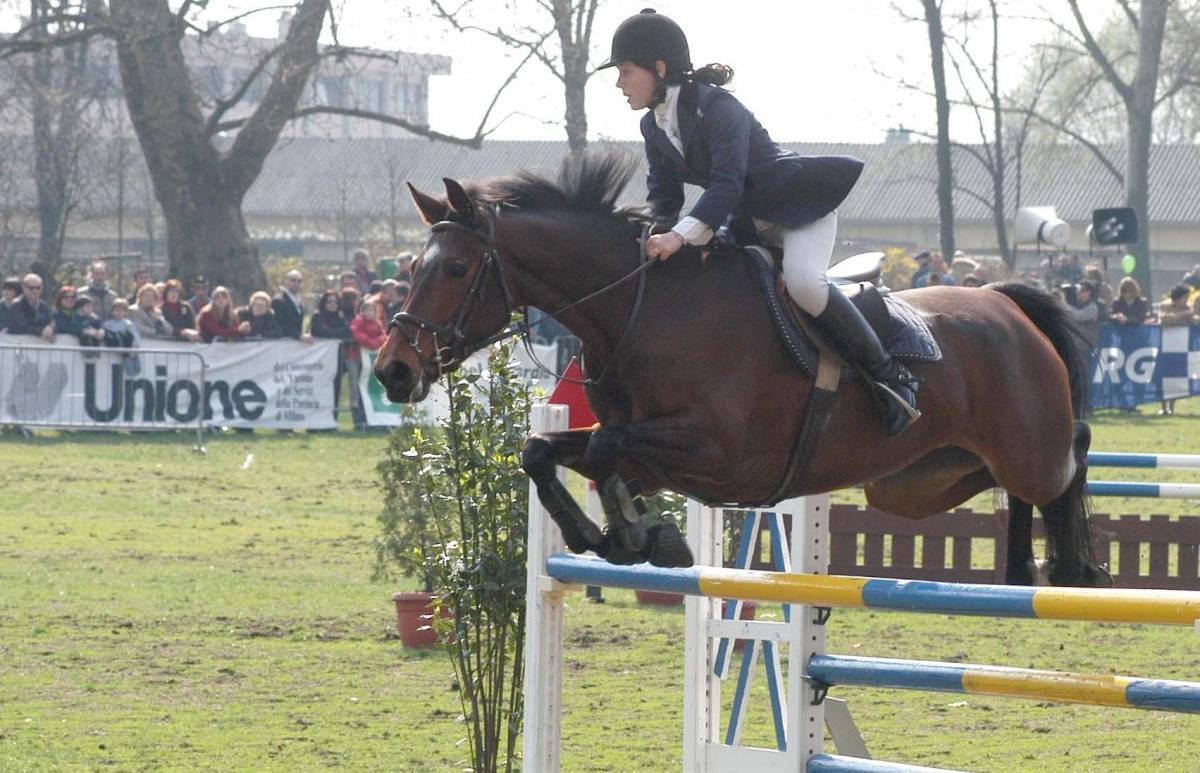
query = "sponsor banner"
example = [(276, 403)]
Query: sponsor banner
[(382, 412), (282, 384), (1144, 364)]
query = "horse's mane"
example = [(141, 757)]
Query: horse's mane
[(586, 184)]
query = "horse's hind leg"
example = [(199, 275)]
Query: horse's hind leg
[(1069, 554)]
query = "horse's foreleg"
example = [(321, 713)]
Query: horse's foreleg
[(540, 458)]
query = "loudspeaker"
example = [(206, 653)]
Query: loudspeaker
[(1040, 224), (1117, 225)]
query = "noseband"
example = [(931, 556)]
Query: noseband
[(456, 344)]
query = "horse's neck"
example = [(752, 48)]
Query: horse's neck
[(552, 269)]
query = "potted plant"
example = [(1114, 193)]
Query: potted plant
[(408, 537), (663, 506)]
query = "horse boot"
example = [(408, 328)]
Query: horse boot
[(894, 386), (625, 536)]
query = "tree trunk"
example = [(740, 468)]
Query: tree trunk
[(945, 186), (576, 112), (206, 235), (1140, 125), (999, 211), (574, 39)]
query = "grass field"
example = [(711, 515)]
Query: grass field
[(162, 610)]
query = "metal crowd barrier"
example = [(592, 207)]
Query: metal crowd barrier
[(103, 388)]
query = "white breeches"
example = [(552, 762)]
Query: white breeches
[(806, 253)]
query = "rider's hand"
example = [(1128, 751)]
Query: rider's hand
[(663, 246)]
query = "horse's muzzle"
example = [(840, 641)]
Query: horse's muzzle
[(400, 383)]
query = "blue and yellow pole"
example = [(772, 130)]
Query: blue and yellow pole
[(1093, 689), (1155, 607)]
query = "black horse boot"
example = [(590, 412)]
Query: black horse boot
[(895, 387)]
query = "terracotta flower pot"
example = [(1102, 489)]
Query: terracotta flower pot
[(414, 619), (659, 597)]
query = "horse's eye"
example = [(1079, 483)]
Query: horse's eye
[(458, 268)]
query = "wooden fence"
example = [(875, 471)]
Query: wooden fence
[(967, 546)]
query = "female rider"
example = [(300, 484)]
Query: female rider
[(697, 132)]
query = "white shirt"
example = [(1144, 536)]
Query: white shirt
[(666, 116)]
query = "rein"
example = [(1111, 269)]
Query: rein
[(457, 345)]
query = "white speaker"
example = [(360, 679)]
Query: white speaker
[(1040, 224)]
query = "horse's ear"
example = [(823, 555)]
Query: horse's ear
[(432, 211), (460, 202)]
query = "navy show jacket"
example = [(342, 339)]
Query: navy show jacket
[(743, 172)]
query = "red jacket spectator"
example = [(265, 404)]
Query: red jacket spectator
[(366, 330), (218, 320)]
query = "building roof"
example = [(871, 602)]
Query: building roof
[(308, 177)]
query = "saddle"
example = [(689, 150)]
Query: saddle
[(900, 327)]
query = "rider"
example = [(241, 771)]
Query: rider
[(697, 132)]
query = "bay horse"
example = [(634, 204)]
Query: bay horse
[(695, 393)]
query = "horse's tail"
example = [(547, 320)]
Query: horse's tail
[(1055, 321)]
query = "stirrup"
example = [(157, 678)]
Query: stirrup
[(913, 413)]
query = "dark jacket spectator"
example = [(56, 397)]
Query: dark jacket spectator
[(29, 314), (141, 277), (328, 321), (218, 320), (178, 313), (68, 320), (289, 312), (1130, 308), (349, 298), (9, 292), (262, 320), (199, 297), (363, 274)]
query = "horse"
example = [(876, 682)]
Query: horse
[(695, 393)]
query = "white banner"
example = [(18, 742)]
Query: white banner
[(382, 412), (282, 384)]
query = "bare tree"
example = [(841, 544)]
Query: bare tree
[(198, 181), (945, 184), (569, 22)]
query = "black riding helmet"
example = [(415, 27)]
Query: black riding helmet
[(648, 37)]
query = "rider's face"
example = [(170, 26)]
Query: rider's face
[(637, 84)]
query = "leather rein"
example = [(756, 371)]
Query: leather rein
[(451, 346)]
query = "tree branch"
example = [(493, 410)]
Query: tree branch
[(1093, 48), (352, 112), (10, 48), (223, 106), (1091, 146)]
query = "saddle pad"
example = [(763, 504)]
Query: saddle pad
[(908, 338)]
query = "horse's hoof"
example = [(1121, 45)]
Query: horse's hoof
[(667, 548), (1022, 574), (614, 552)]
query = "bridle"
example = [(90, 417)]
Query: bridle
[(450, 343)]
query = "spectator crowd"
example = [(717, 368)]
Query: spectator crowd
[(356, 314)]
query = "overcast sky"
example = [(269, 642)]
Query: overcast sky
[(810, 70)]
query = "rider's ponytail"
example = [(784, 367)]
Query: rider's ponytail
[(716, 74)]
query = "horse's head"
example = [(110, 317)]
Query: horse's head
[(457, 302)]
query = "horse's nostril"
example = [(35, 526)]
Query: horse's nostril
[(394, 374)]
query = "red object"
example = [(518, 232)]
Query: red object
[(414, 618), (571, 394), (659, 597)]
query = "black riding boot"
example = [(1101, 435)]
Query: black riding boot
[(855, 340)]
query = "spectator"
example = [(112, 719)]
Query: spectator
[(363, 275), (263, 324), (328, 322), (140, 277), (369, 333), (1104, 291), (289, 311), (178, 313), (1130, 308), (389, 301), (120, 329), (30, 315), (217, 319), (68, 320), (147, 317), (349, 279), (1068, 270), (1088, 312), (403, 276), (1192, 278), (922, 259), (349, 299), (937, 265), (972, 280), (199, 298), (8, 293), (98, 289), (1174, 312), (83, 308)]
